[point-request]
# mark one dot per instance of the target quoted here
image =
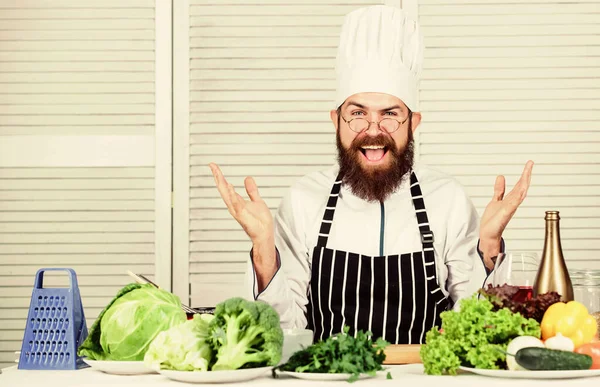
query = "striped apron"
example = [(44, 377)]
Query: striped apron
[(396, 297)]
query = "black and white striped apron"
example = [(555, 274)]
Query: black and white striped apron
[(396, 297)]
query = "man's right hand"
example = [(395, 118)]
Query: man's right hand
[(255, 218)]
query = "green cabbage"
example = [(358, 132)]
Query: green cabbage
[(182, 347), (129, 323)]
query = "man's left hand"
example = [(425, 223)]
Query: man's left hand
[(499, 212)]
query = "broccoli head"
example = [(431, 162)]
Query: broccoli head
[(245, 334)]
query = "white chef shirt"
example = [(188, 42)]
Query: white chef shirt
[(356, 228)]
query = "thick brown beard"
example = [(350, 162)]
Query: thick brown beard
[(376, 184)]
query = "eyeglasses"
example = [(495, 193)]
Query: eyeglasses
[(389, 125)]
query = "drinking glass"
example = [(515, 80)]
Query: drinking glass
[(517, 269)]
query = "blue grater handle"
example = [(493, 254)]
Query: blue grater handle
[(39, 277)]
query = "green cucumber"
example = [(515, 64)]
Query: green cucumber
[(544, 359)]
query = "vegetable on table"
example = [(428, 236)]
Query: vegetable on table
[(560, 342), (570, 319), (128, 324), (245, 334), (592, 350), (182, 347), (544, 359), (502, 297), (340, 354), (475, 336), (517, 344)]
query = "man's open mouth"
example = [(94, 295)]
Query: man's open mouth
[(373, 152)]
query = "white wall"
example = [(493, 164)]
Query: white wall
[(505, 82), (84, 101)]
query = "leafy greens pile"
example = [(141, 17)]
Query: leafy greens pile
[(128, 324), (341, 353), (144, 323), (241, 334), (475, 336), (502, 297)]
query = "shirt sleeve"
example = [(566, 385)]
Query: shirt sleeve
[(502, 249), (255, 292), (466, 271), (489, 273), (287, 290)]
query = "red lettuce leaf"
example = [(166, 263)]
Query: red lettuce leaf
[(501, 297)]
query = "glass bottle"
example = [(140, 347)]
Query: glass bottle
[(552, 275)]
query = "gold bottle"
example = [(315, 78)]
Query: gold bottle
[(552, 274)]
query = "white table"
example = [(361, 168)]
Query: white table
[(403, 375)]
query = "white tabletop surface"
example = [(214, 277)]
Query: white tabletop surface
[(405, 375)]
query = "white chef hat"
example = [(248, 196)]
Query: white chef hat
[(380, 50)]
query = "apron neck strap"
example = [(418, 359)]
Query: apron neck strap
[(329, 211), (427, 237)]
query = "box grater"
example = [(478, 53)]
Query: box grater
[(55, 327)]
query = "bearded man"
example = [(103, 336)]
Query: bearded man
[(375, 242)]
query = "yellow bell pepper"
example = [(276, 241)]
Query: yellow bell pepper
[(570, 319)]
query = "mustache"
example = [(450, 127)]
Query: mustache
[(380, 140)]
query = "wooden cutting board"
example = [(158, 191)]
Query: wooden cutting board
[(402, 354)]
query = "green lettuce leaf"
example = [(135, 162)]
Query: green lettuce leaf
[(476, 335)]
